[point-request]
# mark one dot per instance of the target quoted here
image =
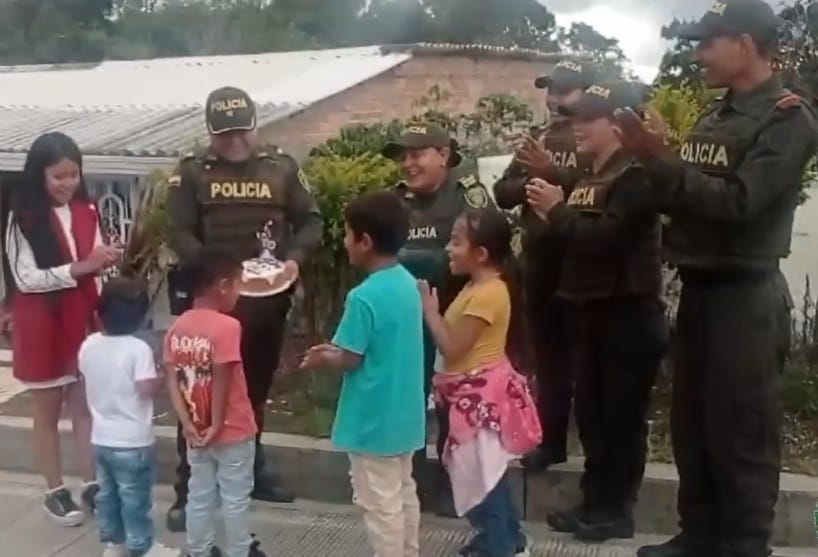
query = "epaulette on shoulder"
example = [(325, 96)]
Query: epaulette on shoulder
[(270, 152), (789, 100), (190, 155)]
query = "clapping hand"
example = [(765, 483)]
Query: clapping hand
[(320, 356), (428, 298), (645, 140), (533, 157), (542, 196)]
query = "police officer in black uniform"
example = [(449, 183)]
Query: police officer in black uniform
[(436, 192), (549, 316), (612, 274), (226, 195), (731, 195)]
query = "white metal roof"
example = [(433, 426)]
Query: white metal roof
[(291, 78), (132, 116)]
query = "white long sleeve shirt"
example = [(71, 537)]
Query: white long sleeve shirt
[(27, 275)]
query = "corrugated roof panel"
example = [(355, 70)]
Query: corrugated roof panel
[(131, 132), (301, 77)]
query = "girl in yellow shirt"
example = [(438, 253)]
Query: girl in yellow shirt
[(491, 413)]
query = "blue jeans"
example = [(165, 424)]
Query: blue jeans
[(497, 522), (124, 500), (220, 473)]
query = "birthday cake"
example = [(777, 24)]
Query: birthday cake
[(264, 275)]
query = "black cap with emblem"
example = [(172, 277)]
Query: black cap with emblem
[(568, 76), (422, 136), (230, 109), (601, 101), (730, 18)]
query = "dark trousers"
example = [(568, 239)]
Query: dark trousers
[(431, 479), (551, 334), (263, 322), (726, 415), (620, 345), (496, 522)]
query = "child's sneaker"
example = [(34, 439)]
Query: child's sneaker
[(88, 497), (62, 509), (214, 552), (161, 550), (115, 550)]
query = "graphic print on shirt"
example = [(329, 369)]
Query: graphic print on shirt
[(193, 366)]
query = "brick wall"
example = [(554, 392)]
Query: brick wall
[(394, 94)]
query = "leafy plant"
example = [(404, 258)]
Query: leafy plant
[(145, 254), (328, 276)]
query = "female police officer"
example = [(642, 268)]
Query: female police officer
[(435, 191), (611, 272)]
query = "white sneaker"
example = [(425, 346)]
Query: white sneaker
[(115, 550), (161, 550)]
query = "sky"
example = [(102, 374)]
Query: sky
[(636, 23)]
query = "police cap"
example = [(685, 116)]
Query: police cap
[(601, 101), (230, 109), (422, 136), (568, 76), (727, 18)]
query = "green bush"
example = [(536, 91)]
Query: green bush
[(335, 180)]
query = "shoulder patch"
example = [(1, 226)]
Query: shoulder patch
[(468, 181), (175, 181), (476, 196)]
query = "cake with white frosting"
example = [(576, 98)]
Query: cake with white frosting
[(263, 277)]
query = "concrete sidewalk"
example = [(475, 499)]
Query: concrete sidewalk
[(305, 530)]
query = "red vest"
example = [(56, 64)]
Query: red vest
[(50, 327)]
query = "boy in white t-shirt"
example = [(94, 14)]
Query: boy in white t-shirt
[(120, 381)]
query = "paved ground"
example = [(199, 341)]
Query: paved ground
[(305, 530)]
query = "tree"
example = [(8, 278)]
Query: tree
[(797, 60), (583, 39)]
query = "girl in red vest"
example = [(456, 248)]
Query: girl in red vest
[(54, 254)]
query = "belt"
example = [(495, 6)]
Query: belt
[(724, 277)]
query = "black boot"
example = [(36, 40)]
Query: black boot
[(177, 519), (543, 458), (567, 521), (602, 525), (267, 484), (682, 545)]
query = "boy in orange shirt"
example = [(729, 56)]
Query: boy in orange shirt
[(209, 393)]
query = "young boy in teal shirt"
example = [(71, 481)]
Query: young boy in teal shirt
[(381, 418)]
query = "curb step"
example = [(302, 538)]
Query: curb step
[(327, 480)]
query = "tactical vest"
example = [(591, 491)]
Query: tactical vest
[(622, 259), (717, 147), (431, 219), (237, 201)]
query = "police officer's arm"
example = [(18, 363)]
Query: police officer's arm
[(302, 213), (509, 190), (630, 204), (183, 214), (769, 168)]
